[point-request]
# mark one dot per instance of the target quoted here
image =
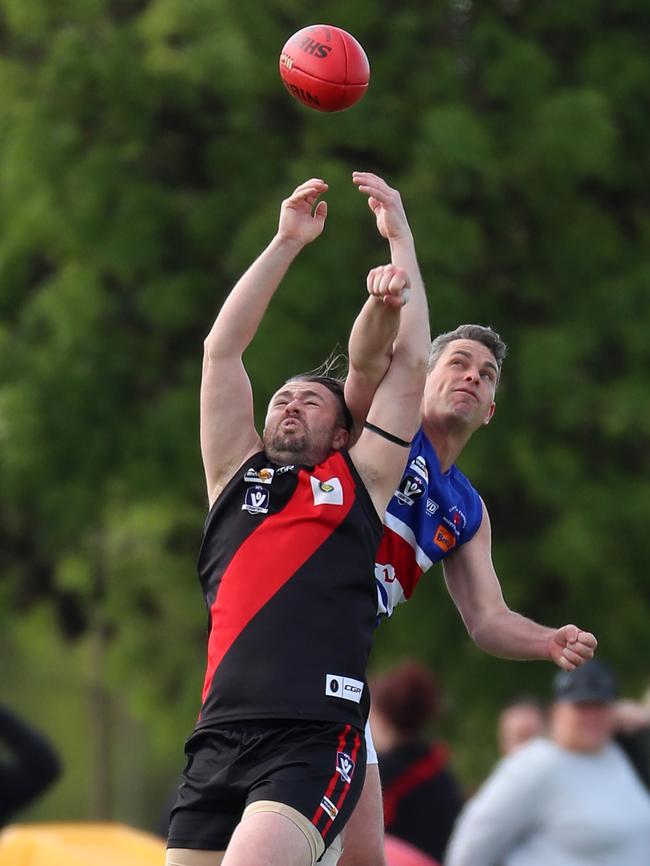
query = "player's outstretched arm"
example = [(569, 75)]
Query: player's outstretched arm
[(474, 586), (228, 432), (370, 347), (414, 334), (383, 447)]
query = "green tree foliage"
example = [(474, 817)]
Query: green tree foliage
[(145, 146)]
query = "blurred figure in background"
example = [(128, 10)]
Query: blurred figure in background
[(420, 794), (632, 725), (571, 800), (522, 719), (28, 764)]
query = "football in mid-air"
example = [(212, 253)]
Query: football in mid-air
[(324, 67)]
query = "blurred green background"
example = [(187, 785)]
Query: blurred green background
[(145, 146)]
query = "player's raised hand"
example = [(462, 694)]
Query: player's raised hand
[(389, 283), (299, 221), (385, 203), (569, 647)]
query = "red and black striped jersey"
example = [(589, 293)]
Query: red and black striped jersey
[(286, 566)]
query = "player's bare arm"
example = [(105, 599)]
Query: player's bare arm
[(475, 589), (228, 434), (370, 347), (392, 224), (395, 408)]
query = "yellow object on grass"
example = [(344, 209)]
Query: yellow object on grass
[(79, 845)]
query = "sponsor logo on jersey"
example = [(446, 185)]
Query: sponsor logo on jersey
[(384, 573), (419, 466), (344, 766), (264, 476), (432, 507), (444, 539), (256, 500), (411, 488), (282, 469), (328, 492), (329, 807), (346, 688)]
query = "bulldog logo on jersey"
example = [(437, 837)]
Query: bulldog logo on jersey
[(411, 488), (256, 500), (344, 766), (328, 492)]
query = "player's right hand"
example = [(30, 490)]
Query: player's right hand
[(299, 221)]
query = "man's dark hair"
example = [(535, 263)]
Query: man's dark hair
[(479, 333), (336, 386)]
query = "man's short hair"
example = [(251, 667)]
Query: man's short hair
[(336, 386), (487, 336)]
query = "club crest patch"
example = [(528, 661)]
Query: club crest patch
[(328, 492)]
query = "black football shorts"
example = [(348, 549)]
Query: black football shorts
[(316, 768)]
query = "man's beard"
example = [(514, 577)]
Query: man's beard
[(295, 446)]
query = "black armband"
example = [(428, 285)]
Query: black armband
[(394, 439)]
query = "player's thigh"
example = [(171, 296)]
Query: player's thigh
[(317, 771), (270, 838), (363, 837), (190, 857)]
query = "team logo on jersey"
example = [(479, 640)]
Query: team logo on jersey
[(384, 573), (264, 476), (329, 807), (344, 766), (411, 488), (456, 519), (432, 507), (256, 500), (419, 466), (346, 688), (328, 492), (444, 539)]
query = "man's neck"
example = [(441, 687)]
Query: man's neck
[(447, 443)]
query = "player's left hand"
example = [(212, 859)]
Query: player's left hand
[(569, 647), (386, 204)]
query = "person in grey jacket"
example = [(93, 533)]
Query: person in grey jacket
[(570, 800)]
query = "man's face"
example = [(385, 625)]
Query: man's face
[(584, 726), (460, 388), (519, 724), (303, 424)]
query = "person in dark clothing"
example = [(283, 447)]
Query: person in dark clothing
[(420, 794), (28, 764)]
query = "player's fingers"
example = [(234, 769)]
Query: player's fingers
[(588, 640), (398, 281), (569, 634), (307, 190), (379, 279), (573, 657)]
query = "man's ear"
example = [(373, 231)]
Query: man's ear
[(490, 413), (341, 438)]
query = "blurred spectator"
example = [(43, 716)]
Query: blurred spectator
[(28, 764), (522, 719), (421, 796), (571, 800), (632, 726)]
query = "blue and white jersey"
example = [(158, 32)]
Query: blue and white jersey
[(431, 514)]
